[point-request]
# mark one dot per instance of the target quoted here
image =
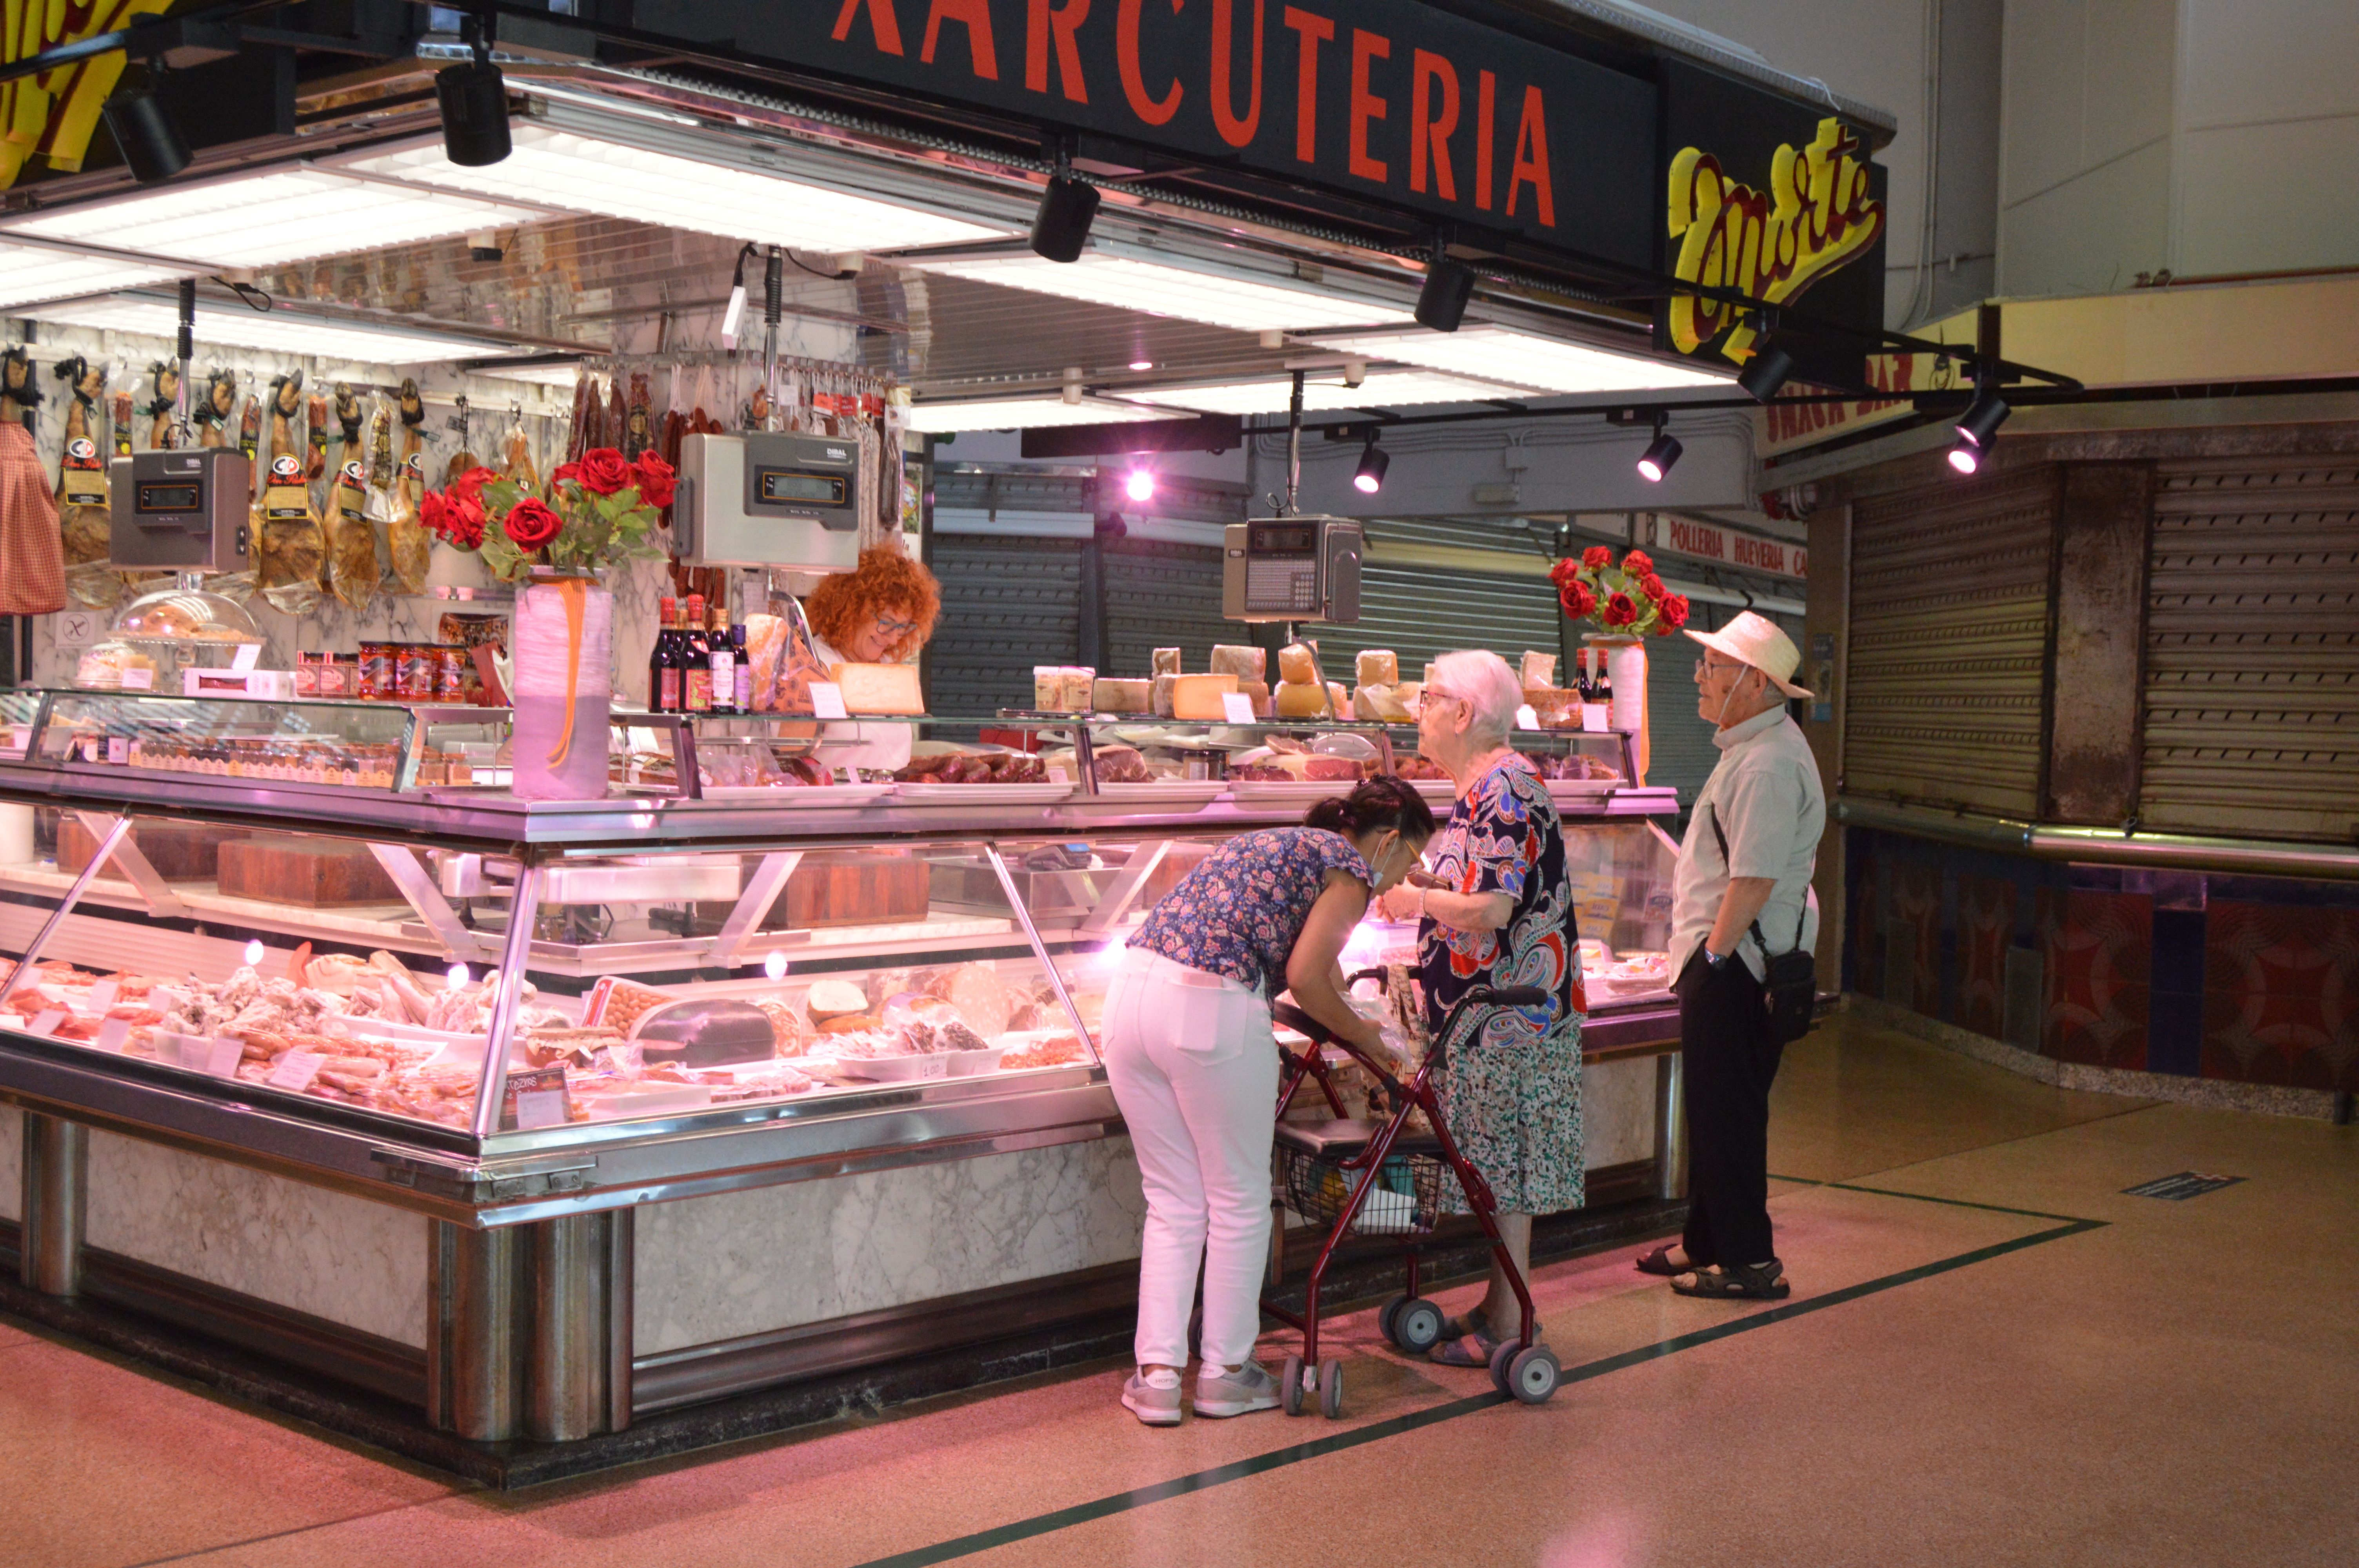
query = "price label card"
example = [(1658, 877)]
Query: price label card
[(1236, 708), (540, 1107), (221, 1057), (77, 628), (102, 994), (1592, 717), (1526, 719), (112, 1034), (46, 1022), (827, 701), (295, 1070), (247, 657), (140, 680)]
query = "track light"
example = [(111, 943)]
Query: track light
[(1965, 457), (474, 100), (734, 316), (1768, 370), (1661, 454), (1140, 485), (153, 147), (1061, 228), (1982, 416), (1374, 461), (1441, 303)]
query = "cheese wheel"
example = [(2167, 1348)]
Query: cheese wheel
[(1380, 704), (879, 688), (1245, 664), (1167, 661), (1197, 698), (1123, 696), (1301, 699), (1296, 663), (1539, 670), (1377, 667), (1339, 699), (1158, 697)]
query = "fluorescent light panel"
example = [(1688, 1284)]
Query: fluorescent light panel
[(1024, 414), (583, 174), (1549, 363), (30, 274), (279, 331), (271, 218), (1382, 389), (1243, 304)]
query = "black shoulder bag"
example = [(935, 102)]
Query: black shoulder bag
[(1791, 989)]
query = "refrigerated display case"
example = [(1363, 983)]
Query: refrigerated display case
[(684, 1078)]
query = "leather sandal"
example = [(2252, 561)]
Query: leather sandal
[(1659, 1263), (1745, 1282)]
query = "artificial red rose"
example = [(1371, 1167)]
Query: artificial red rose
[(562, 473), (530, 524), (603, 470), (470, 485), (1637, 563), (1672, 613), (1619, 611), (655, 478), (1578, 602), (459, 519), (1652, 587), (1564, 571), (1597, 558)]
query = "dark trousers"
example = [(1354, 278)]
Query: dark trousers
[(1732, 1059)]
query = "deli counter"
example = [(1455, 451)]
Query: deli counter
[(540, 1116)]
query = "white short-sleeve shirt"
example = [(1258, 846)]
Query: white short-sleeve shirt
[(1765, 792)]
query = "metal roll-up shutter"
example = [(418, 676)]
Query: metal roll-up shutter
[(1948, 638), (1008, 604), (2252, 652), (1421, 608), (1160, 595)]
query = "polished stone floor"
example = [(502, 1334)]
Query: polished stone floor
[(1993, 1355)]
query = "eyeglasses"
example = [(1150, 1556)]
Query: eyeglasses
[(1430, 696), (892, 626)]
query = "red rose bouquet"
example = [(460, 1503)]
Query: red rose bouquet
[(1628, 600), (597, 512)]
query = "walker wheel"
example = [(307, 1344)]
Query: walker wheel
[(1385, 1316), (1331, 1389), (1501, 1354), (1417, 1328), (1289, 1388), (1532, 1375)]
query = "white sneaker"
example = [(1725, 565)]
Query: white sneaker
[(1248, 1388), (1154, 1397)]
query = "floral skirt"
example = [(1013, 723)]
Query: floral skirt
[(1514, 1112)]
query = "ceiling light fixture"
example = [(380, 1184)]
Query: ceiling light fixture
[(149, 138), (474, 99), (1978, 426), (949, 419), (1060, 230), (277, 330), (1374, 461), (1769, 368), (30, 274), (1449, 285), (1240, 301), (1139, 485), (1382, 389), (1660, 453), (1505, 355)]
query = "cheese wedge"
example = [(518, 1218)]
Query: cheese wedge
[(1301, 700), (1339, 699), (1380, 704), (1296, 663), (1158, 695), (1539, 670), (1260, 691), (1197, 698), (1123, 696), (1167, 661), (1245, 664), (1377, 666), (879, 688)]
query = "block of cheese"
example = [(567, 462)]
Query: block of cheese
[(1338, 698), (1301, 700), (1199, 698), (1159, 696), (1245, 664), (1260, 691), (1380, 704), (1540, 671), (1296, 663), (1554, 707), (1429, 676), (879, 688), (1109, 696), (1377, 666), (1048, 685), (1167, 661), (1078, 687)]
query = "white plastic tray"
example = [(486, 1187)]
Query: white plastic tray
[(899, 1069)]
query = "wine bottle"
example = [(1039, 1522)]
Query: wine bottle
[(696, 676), (742, 668), (723, 662), (663, 663)]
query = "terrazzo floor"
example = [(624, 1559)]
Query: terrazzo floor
[(1993, 1355)]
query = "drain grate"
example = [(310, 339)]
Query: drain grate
[(2181, 1187)]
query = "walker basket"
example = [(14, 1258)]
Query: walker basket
[(1314, 1179)]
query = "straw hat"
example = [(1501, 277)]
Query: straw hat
[(1755, 640)]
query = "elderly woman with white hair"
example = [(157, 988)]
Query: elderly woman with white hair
[(1498, 910)]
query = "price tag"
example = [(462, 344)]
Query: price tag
[(295, 1070), (140, 680), (78, 629), (112, 1034), (1592, 717), (44, 1022), (827, 701), (221, 1057), (102, 994), (1526, 719), (540, 1107), (1236, 708), (247, 655)]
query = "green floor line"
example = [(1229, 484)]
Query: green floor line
[(1395, 1426), (1927, 1197)]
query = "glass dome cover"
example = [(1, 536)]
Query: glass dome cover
[(185, 615)]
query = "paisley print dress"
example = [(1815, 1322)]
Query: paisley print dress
[(1240, 912), (1512, 1093)]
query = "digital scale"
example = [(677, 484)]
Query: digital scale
[(1292, 569), (769, 499), (189, 509)]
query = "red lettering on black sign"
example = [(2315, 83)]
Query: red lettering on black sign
[(1430, 127), (1315, 30), (1532, 161), (1041, 24), (882, 24), (1235, 131), (1366, 104), (1486, 95), (1154, 111), (974, 16)]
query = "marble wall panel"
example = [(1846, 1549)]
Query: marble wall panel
[(342, 1258), (738, 1263), (12, 1162), (1617, 1111)]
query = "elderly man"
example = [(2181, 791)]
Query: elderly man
[(1743, 881)]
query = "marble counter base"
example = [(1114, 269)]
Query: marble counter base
[(12, 1162), (342, 1258), (1617, 1111), (739, 1263)]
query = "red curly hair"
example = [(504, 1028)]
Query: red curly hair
[(884, 581)]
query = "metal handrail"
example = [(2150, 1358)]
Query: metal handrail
[(2105, 846)]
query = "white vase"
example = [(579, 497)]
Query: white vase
[(1625, 668), (450, 567), (565, 629)]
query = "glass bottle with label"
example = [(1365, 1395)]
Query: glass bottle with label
[(664, 664), (696, 669), (724, 663)]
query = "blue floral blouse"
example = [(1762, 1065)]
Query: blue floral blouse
[(1240, 912)]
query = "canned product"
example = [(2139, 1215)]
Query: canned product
[(378, 680), (307, 674), (416, 671), (338, 674), (450, 673)]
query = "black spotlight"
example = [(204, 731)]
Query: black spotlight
[(1661, 454), (1982, 416), (153, 146), (1770, 369), (474, 99), (1068, 208), (1441, 303), (1374, 461)]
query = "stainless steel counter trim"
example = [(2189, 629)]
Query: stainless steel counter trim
[(2105, 846)]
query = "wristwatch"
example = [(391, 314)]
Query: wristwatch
[(1715, 960)]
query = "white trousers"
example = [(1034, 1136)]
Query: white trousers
[(1194, 1068)]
